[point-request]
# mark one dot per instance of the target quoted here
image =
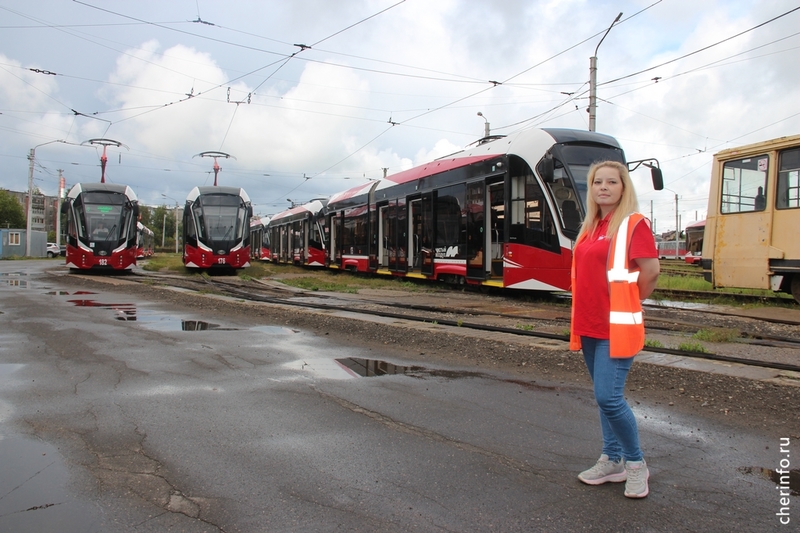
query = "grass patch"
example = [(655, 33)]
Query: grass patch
[(653, 343), (163, 262), (692, 347), (716, 335), (696, 283)]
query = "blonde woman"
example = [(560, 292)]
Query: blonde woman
[(615, 266)]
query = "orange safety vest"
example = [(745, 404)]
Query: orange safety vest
[(626, 326)]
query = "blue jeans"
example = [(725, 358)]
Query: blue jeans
[(620, 433)]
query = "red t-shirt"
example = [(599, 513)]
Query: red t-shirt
[(593, 304)]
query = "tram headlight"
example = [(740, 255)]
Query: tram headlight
[(102, 253)]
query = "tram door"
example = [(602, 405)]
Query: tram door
[(496, 223), (477, 238), (335, 240), (414, 233), (427, 227), (393, 233), (383, 240)]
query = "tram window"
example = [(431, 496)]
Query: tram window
[(743, 181), (789, 179), (451, 222)]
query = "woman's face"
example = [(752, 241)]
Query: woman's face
[(607, 189)]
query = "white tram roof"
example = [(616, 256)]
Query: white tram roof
[(263, 221), (79, 188), (313, 207), (212, 189)]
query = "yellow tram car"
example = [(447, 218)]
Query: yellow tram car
[(752, 232)]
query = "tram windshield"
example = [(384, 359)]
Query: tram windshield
[(103, 216), (220, 217), (569, 186)]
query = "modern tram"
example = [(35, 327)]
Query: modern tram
[(503, 213), (298, 235), (101, 226), (750, 239), (259, 239), (145, 241), (216, 229)]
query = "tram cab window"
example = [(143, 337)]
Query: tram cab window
[(789, 179), (743, 184)]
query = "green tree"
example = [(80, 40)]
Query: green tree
[(146, 216), (11, 213)]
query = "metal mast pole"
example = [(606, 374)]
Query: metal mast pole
[(593, 79)]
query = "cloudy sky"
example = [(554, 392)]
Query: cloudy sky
[(310, 97)]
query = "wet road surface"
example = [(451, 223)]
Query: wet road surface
[(118, 414)]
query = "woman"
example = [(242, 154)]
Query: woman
[(615, 266)]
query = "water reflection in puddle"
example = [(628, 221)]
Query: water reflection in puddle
[(355, 367), (14, 279), (128, 312), (789, 480), (374, 367)]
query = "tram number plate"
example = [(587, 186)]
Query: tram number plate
[(102, 262), (221, 261)]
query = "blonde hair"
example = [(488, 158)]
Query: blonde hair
[(627, 204)]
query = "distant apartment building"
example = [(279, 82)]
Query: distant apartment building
[(44, 210)]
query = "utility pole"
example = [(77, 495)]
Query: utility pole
[(593, 79), (61, 183), (32, 159)]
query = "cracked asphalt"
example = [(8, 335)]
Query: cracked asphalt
[(130, 408)]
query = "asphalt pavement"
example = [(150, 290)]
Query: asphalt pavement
[(119, 413)]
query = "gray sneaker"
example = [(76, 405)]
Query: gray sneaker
[(604, 471), (638, 474)]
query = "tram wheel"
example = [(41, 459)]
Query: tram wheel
[(796, 288)]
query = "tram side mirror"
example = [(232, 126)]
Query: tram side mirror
[(65, 208), (655, 171), (658, 178), (547, 168)]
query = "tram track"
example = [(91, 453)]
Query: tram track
[(258, 291)]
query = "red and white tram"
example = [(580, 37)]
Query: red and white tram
[(259, 239), (298, 235), (502, 213), (101, 226), (216, 229)]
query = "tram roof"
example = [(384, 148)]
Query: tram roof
[(79, 188), (313, 207), (213, 189)]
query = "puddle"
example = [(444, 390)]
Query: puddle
[(123, 311), (33, 490), (162, 322), (374, 367), (67, 293), (20, 283), (677, 305), (792, 476), (128, 312)]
